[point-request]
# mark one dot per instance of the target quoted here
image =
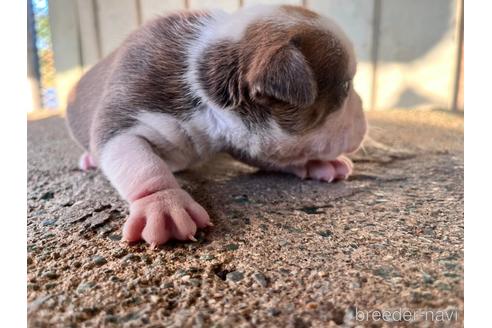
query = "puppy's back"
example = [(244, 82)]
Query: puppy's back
[(146, 73), (85, 98)]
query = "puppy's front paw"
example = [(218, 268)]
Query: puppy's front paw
[(164, 215), (338, 169)]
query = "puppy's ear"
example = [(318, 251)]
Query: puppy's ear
[(283, 73)]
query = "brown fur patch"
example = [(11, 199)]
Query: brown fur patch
[(260, 77), (144, 74), (296, 10)]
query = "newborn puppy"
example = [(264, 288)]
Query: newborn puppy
[(271, 85)]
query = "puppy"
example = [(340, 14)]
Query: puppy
[(271, 85)]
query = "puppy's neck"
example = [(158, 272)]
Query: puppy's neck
[(212, 63), (219, 74), (214, 73)]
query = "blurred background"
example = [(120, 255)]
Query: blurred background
[(410, 52)]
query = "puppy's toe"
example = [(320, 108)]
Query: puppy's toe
[(132, 229), (184, 226), (323, 171), (342, 168), (158, 229), (199, 215)]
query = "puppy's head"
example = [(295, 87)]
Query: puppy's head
[(288, 72)]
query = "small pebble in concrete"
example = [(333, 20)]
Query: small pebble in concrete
[(147, 259), (449, 265), (92, 310), (207, 257), (273, 312), (194, 269), (443, 286), (355, 285), (199, 320), (242, 199), (195, 282), (283, 243), (111, 318), (427, 278), (231, 247), (338, 316), (99, 260), (114, 237), (119, 253), (167, 285), (50, 275), (234, 276), (384, 272), (84, 286), (131, 257), (450, 274), (300, 323), (130, 317), (325, 233), (284, 271), (312, 306), (419, 297), (260, 279), (48, 195), (49, 222)]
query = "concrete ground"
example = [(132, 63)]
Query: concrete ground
[(283, 252)]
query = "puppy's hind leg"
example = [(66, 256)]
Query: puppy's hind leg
[(87, 162)]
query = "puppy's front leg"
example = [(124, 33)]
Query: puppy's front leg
[(159, 208)]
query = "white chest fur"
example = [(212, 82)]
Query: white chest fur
[(183, 143)]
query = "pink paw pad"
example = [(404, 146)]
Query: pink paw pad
[(338, 169), (164, 215), (86, 162)]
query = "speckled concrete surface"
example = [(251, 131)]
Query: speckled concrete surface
[(283, 252)]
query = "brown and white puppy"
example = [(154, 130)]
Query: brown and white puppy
[(271, 85)]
